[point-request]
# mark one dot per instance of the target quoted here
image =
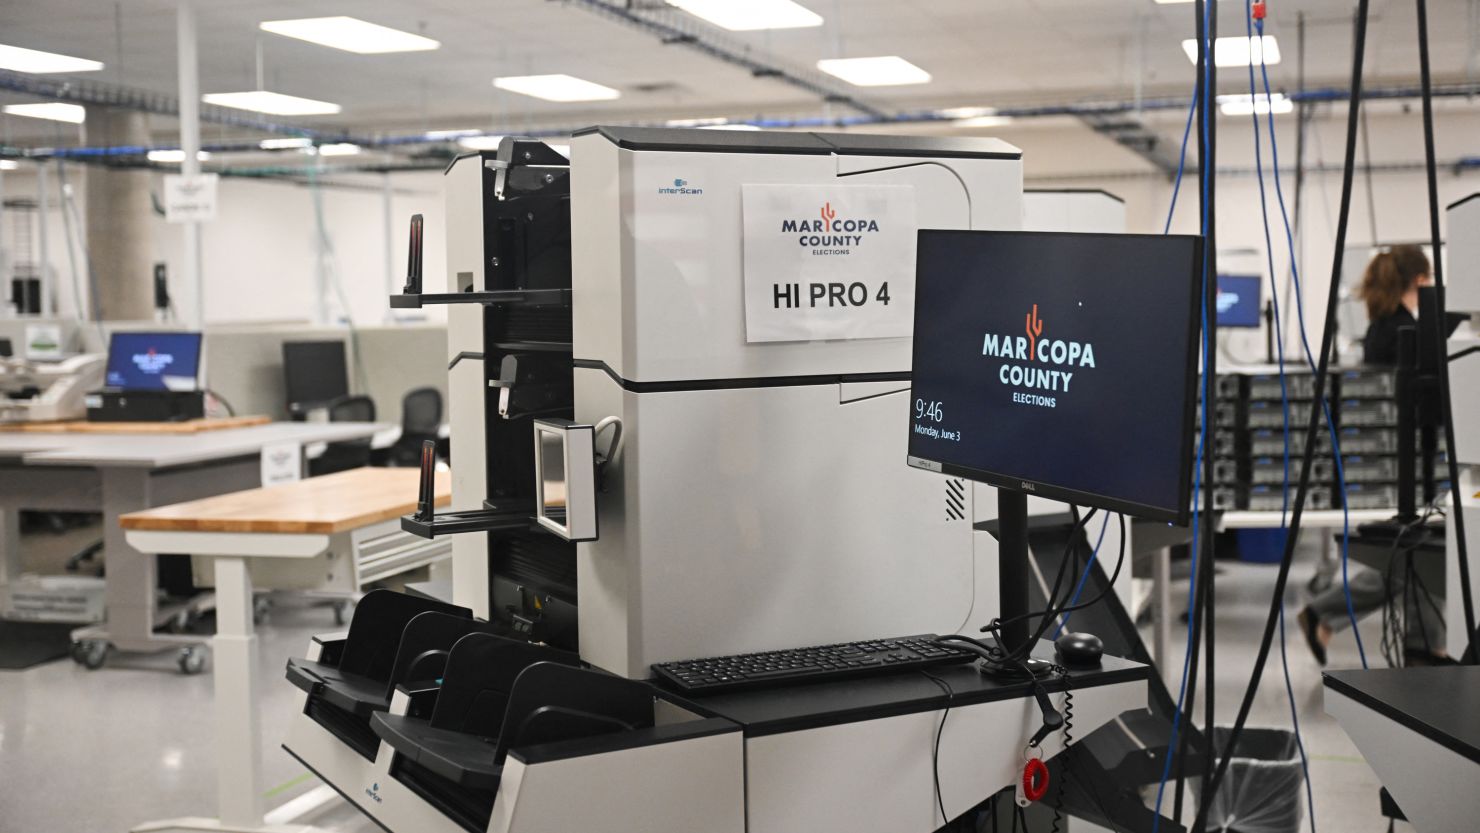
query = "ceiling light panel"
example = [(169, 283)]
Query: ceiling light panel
[(20, 59), (878, 71), (350, 34), (276, 104), (339, 149), (982, 121), (53, 110), (174, 156), (480, 142), (1243, 105), (750, 15), (285, 143), (1237, 51), (557, 87)]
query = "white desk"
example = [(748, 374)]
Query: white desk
[(291, 521), (122, 473)]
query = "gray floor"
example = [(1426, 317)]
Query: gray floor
[(88, 752), (102, 751)]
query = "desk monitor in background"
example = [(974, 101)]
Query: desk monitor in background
[(153, 361), (1058, 365), (6, 350), (315, 373), (1238, 301)]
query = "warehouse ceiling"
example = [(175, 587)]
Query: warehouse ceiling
[(978, 52)]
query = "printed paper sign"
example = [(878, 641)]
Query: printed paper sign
[(281, 463), (828, 261), (190, 199), (43, 341)]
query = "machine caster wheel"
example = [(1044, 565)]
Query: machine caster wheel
[(340, 608), (260, 608), (91, 653), (192, 660)]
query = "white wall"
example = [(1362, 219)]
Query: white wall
[(260, 253)]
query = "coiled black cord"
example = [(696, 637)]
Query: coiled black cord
[(1068, 713)]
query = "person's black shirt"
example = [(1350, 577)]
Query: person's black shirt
[(1380, 345)]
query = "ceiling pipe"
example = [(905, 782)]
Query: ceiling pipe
[(129, 154)]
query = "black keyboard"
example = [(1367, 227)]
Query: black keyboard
[(799, 665)]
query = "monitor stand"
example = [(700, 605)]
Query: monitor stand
[(1012, 585)]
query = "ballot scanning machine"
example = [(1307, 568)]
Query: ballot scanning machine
[(680, 372), (37, 390)]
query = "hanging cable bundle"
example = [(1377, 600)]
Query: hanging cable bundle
[(1313, 427)]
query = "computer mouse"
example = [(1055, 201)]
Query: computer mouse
[(1079, 648)]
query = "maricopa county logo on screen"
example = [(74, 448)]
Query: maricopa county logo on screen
[(828, 235), (153, 362), (1036, 362)]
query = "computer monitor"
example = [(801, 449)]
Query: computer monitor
[(315, 373), (1238, 301), (1060, 365), (154, 361)]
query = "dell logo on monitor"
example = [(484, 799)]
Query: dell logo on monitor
[(1029, 487)]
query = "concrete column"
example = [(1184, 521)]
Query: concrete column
[(119, 211)]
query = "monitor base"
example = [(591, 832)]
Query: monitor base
[(1031, 668)]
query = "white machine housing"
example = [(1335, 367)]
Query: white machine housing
[(1079, 210), (1462, 294), (63, 386), (762, 500)]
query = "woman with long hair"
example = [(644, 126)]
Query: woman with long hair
[(1390, 290)]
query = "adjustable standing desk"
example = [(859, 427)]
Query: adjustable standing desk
[(117, 474), (298, 520)]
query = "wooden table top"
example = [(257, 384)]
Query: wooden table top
[(317, 505), (185, 426)]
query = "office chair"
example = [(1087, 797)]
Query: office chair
[(421, 417), (350, 454)]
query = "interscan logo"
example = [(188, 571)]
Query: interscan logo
[(374, 793), (153, 362), (681, 188), (828, 235), (1037, 363)]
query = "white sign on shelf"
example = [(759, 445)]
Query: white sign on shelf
[(828, 261), (44, 341), (190, 199), (282, 463)]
